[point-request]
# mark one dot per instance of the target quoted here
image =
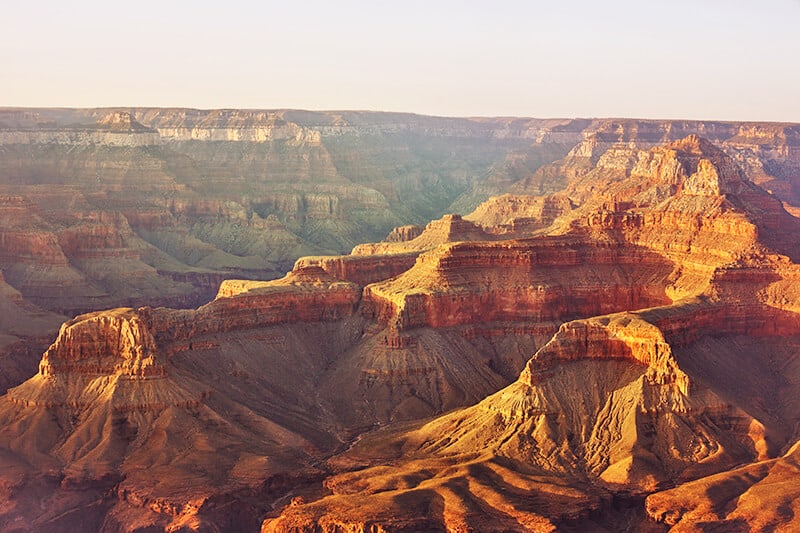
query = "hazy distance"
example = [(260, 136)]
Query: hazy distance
[(731, 60)]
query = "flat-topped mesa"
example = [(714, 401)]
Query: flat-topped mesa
[(405, 233), (307, 294), (110, 342), (121, 121), (361, 269), (449, 228), (543, 279), (108, 358)]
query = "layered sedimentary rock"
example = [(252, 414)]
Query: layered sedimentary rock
[(516, 280), (614, 406), (362, 268), (89, 259), (203, 195), (238, 193), (137, 393), (572, 346)]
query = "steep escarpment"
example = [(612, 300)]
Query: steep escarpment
[(546, 362), (137, 392), (614, 406), (198, 196), (516, 280), (241, 193), (263, 371)]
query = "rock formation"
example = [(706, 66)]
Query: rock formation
[(188, 197), (204, 195), (590, 350), (613, 406)]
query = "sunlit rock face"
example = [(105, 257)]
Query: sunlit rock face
[(591, 353), (189, 197), (151, 206), (619, 405)]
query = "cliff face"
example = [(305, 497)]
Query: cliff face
[(194, 196), (516, 280), (617, 404), (582, 335), (212, 194), (138, 391)]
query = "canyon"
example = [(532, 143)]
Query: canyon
[(605, 338)]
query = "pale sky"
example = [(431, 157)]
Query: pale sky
[(701, 59)]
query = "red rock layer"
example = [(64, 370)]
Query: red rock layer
[(361, 269), (103, 343), (610, 405), (514, 280), (616, 401)]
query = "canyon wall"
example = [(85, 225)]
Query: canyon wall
[(528, 366)]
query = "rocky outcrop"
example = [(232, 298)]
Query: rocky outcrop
[(128, 344), (245, 193), (404, 233), (361, 269), (605, 342), (450, 228), (304, 295), (85, 343), (514, 280), (518, 215), (106, 356), (657, 410), (224, 193)]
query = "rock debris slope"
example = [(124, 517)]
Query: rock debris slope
[(617, 354), (676, 392)]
